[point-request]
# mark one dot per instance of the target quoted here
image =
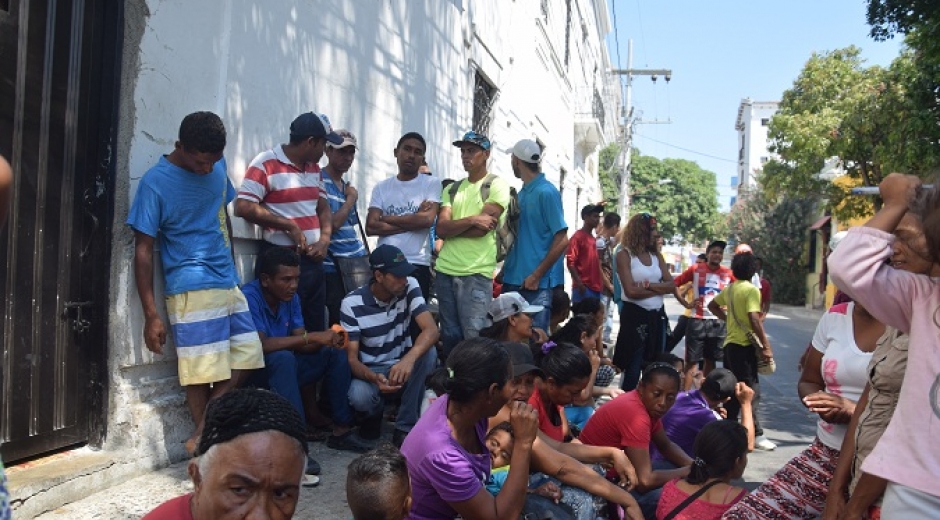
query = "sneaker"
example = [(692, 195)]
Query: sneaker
[(399, 437), (313, 467), (764, 444), (348, 441)]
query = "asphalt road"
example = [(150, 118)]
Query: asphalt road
[(785, 420)]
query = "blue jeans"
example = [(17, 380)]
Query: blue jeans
[(366, 398), (462, 303), (578, 295), (541, 297), (285, 372)]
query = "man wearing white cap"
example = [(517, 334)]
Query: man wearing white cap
[(535, 263)]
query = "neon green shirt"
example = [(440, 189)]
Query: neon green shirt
[(746, 300), (463, 256)]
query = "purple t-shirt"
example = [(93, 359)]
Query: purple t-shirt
[(684, 420), (441, 470)]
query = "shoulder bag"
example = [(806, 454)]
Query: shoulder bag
[(764, 366)]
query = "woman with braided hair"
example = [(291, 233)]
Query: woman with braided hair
[(706, 493)]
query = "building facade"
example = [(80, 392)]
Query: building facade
[(92, 93), (751, 124)]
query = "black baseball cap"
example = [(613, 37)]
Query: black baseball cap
[(591, 209), (315, 125), (522, 360), (716, 243), (389, 259)]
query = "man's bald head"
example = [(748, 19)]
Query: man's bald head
[(743, 248)]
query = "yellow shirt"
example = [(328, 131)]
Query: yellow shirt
[(464, 256), (746, 300)]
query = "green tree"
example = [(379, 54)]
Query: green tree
[(776, 228), (682, 196), (609, 175)]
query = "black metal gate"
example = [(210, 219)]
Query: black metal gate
[(58, 73)]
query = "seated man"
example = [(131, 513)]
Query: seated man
[(253, 443), (696, 408), (381, 355), (293, 357)]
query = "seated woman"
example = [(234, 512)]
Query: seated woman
[(511, 317), (563, 461), (567, 372), (582, 330), (448, 460), (594, 309), (633, 420), (720, 456)]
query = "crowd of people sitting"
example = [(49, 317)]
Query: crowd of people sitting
[(526, 419)]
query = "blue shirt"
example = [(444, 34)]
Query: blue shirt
[(186, 213), (344, 242), (540, 218), (271, 324), (382, 329)]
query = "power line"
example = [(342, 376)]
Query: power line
[(686, 149)]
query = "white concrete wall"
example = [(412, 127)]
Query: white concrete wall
[(378, 68), (754, 135)]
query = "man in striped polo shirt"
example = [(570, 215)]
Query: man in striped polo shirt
[(342, 196), (382, 357), (283, 193)]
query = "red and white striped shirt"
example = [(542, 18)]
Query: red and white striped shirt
[(287, 191)]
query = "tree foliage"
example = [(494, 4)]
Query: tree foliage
[(685, 206), (776, 229), (870, 120), (609, 174)]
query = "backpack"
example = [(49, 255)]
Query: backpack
[(508, 228)]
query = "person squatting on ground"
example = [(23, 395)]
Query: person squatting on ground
[(632, 422), (832, 380), (342, 197), (296, 360), (283, 193), (382, 357), (908, 302), (583, 262), (377, 485), (720, 457), (535, 263), (466, 222), (248, 464), (853, 492), (644, 278), (741, 357), (181, 202), (512, 320)]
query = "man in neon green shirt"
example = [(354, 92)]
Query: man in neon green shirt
[(465, 265)]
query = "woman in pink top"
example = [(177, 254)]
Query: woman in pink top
[(905, 454), (720, 456)]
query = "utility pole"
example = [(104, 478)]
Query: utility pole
[(626, 148)]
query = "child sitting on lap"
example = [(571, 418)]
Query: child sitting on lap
[(499, 441)]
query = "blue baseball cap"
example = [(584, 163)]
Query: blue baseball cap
[(472, 137), (315, 125), (389, 259)]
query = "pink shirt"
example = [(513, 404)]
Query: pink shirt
[(906, 453)]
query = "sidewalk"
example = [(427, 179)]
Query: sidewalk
[(785, 420)]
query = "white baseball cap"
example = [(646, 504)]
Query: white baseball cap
[(528, 150)]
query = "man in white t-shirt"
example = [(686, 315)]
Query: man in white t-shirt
[(403, 208)]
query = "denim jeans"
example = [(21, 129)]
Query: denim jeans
[(366, 398), (541, 297), (578, 295), (285, 372), (462, 306)]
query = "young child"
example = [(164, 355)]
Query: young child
[(720, 456), (499, 441), (377, 485)]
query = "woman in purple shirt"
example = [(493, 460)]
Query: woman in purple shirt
[(448, 460)]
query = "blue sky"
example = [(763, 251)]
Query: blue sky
[(721, 52)]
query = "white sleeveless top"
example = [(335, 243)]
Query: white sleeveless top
[(643, 273)]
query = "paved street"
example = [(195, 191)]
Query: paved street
[(785, 420)]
